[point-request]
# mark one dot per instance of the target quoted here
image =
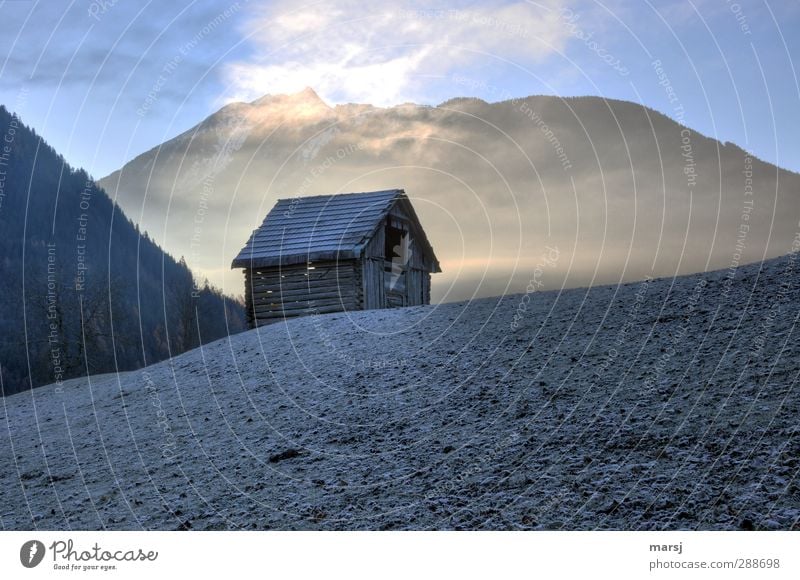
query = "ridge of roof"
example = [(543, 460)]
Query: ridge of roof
[(319, 227), (348, 194)]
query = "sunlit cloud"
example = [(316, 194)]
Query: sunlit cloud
[(349, 53)]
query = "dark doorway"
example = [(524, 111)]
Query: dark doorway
[(394, 243)]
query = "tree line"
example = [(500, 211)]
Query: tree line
[(82, 290)]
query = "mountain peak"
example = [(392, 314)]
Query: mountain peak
[(307, 95), (302, 104)]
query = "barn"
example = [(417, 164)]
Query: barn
[(333, 253)]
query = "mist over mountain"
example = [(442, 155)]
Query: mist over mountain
[(84, 291), (621, 190)]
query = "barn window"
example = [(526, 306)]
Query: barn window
[(394, 243)]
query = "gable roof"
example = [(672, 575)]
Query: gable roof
[(322, 227)]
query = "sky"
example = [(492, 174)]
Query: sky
[(106, 80)]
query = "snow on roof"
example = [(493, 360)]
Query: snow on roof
[(322, 227)]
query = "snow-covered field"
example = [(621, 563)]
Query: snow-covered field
[(665, 404)]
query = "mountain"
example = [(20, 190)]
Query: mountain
[(621, 190), (665, 404), (83, 290)]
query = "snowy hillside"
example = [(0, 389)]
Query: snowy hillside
[(667, 404)]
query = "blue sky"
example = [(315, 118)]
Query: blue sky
[(104, 81)]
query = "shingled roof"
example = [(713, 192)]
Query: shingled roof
[(322, 227)]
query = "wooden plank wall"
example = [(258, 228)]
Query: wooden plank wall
[(396, 295), (372, 271), (275, 293), (416, 287), (415, 284), (374, 248), (373, 286)]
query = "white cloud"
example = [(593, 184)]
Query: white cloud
[(349, 52)]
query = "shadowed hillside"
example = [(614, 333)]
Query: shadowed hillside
[(83, 290)]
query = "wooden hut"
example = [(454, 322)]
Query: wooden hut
[(333, 253)]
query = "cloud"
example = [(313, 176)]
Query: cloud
[(66, 45), (381, 56)]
